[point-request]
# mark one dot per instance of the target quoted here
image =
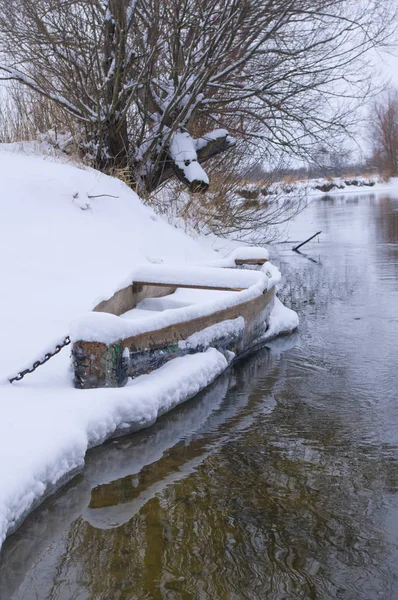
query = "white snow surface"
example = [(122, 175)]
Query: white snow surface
[(181, 297), (210, 136), (282, 320), (249, 252), (200, 276), (205, 337), (68, 237)]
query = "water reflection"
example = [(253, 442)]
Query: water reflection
[(387, 216), (281, 481), (127, 473)]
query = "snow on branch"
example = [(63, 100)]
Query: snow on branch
[(187, 154), (186, 166), (213, 143)]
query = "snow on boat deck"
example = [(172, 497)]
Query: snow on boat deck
[(196, 277), (108, 328), (181, 298)]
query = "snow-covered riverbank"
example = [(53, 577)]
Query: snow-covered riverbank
[(315, 188), (68, 237), (353, 185)]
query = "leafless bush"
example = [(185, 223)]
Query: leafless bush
[(234, 206), (26, 115), (16, 122), (146, 82), (384, 133)]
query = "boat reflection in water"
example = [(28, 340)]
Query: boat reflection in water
[(93, 515)]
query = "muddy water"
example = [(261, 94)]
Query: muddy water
[(279, 482)]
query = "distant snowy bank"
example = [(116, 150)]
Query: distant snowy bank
[(341, 185), (318, 187), (69, 236)]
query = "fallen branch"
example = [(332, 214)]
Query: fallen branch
[(295, 249), (102, 196)]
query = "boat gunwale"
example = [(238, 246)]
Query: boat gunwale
[(140, 343)]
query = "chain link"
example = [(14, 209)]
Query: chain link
[(41, 362)]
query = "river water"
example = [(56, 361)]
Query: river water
[(280, 481)]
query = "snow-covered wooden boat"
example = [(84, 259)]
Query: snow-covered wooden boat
[(170, 311)]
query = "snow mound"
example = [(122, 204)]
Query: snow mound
[(282, 320), (249, 252)]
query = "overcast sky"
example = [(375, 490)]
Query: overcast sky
[(389, 67)]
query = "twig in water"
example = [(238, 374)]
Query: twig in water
[(102, 195), (306, 241)]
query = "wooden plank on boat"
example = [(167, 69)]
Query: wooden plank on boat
[(127, 298), (195, 277), (250, 261), (191, 287)]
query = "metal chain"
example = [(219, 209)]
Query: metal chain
[(41, 362)]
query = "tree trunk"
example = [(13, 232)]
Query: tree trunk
[(116, 143)]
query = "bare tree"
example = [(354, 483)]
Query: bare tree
[(384, 132), (159, 87), (250, 211)]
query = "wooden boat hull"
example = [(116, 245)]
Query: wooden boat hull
[(99, 365)]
